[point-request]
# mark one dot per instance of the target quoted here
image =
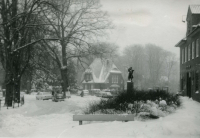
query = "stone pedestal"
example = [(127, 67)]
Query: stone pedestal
[(130, 86)]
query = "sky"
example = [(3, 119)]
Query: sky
[(147, 21)]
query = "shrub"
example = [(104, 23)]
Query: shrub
[(138, 101)]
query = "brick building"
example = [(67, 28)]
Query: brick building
[(189, 55), (102, 74)]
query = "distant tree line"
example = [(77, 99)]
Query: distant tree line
[(154, 66)]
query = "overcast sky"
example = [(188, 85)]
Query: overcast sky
[(147, 21)]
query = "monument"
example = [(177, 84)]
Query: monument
[(130, 84)]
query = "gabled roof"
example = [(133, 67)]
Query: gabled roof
[(195, 9), (192, 9), (101, 69)]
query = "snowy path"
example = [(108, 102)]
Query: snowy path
[(41, 118), (50, 119), (184, 123)]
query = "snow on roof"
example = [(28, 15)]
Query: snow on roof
[(96, 66), (101, 69), (180, 42), (88, 70), (115, 69), (195, 9)]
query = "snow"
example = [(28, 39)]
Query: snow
[(163, 103), (55, 119), (64, 67)]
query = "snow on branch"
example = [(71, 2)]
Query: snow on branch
[(29, 44), (64, 67)]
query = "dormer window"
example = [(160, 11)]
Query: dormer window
[(88, 77)]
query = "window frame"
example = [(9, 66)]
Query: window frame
[(182, 56), (186, 54), (88, 76), (115, 78), (197, 48), (189, 52), (193, 49)]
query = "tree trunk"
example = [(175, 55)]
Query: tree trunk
[(17, 91), (28, 86), (9, 89), (64, 75), (64, 81)]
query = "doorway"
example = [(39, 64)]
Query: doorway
[(189, 85)]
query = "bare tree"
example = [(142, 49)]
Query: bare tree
[(18, 21), (170, 63), (77, 23), (156, 57), (134, 56), (152, 66)]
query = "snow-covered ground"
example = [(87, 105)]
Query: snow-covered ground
[(55, 119)]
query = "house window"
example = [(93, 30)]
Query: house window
[(88, 77), (115, 79), (197, 48), (185, 54), (189, 53), (182, 55), (192, 50)]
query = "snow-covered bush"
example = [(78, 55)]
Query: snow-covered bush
[(157, 104), (162, 103), (156, 112)]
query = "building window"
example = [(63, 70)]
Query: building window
[(185, 54), (182, 55), (182, 81), (197, 48), (189, 53), (192, 50), (115, 79)]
